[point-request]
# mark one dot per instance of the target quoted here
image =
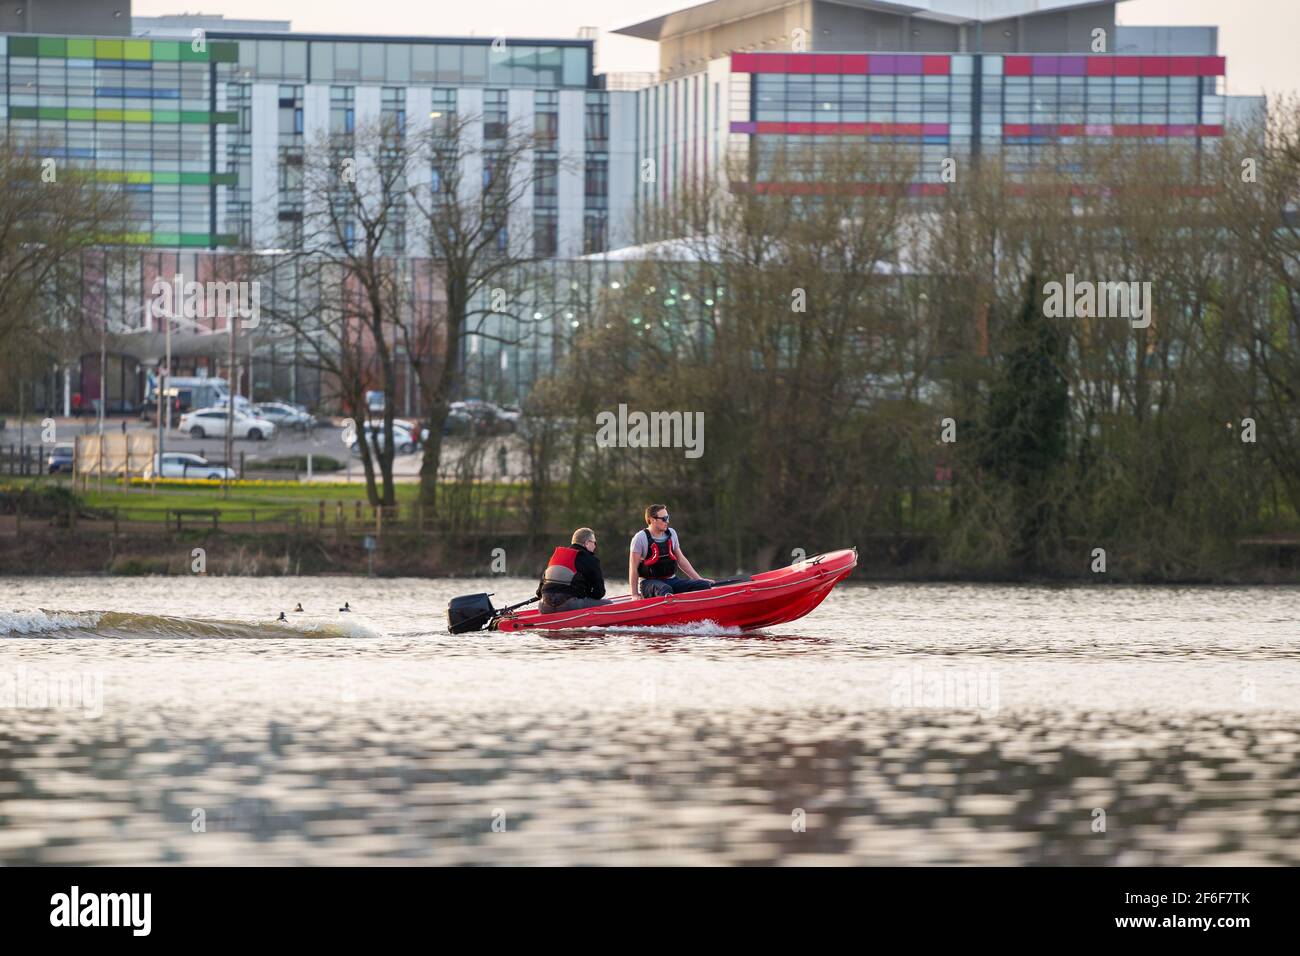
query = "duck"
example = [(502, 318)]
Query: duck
[(346, 607), (298, 609), (281, 617)]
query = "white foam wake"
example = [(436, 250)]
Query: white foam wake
[(41, 621)]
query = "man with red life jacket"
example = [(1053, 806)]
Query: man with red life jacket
[(573, 578), (656, 557)]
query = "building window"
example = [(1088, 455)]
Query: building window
[(343, 115), (546, 179), (597, 121), (546, 118), (495, 116), (393, 110), (546, 230), (596, 189), (442, 111), (594, 228)]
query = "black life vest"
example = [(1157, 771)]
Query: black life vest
[(658, 563), (561, 576)]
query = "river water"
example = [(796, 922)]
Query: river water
[(169, 720)]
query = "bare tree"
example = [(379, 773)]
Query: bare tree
[(479, 246), (347, 295)]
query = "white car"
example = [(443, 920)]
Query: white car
[(402, 439), (212, 423), (177, 464)]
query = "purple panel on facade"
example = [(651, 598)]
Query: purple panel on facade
[(935, 129), (1073, 66), (1182, 130), (909, 65), (1046, 65), (884, 63), (737, 127)]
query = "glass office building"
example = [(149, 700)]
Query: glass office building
[(766, 89)]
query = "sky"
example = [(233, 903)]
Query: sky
[(1260, 38)]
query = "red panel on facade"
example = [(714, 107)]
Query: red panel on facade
[(936, 65), (854, 64), (1128, 66), (1155, 65), (771, 62), (827, 63), (1184, 66), (744, 63), (1017, 66), (1015, 129), (800, 63), (1213, 65), (1209, 130)]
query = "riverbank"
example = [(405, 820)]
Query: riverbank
[(280, 549), (287, 528)]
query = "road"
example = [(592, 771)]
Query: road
[(326, 439)]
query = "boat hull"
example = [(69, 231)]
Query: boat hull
[(767, 599)]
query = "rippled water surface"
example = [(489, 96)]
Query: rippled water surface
[(172, 720)]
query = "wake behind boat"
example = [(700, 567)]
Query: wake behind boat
[(764, 600)]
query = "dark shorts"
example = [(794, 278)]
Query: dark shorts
[(572, 604), (658, 587)]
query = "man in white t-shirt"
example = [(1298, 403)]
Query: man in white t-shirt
[(656, 557)]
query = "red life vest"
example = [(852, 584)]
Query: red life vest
[(561, 570), (657, 563)]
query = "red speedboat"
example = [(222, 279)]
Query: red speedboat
[(773, 597)]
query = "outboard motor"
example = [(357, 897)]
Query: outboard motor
[(472, 612)]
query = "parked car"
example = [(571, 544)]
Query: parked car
[(284, 415), (212, 423), (177, 464), (60, 459), (485, 417), (403, 440)]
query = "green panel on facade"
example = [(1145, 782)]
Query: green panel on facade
[(80, 113), (194, 179), (195, 239), (190, 55), (166, 238), (23, 46), (225, 52), (52, 46), (50, 113), (225, 179), (108, 49), (166, 116), (166, 178), (81, 49), (225, 116), (195, 116), (22, 112), (167, 51), (136, 50)]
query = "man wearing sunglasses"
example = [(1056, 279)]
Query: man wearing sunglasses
[(656, 557)]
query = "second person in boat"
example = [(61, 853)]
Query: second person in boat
[(656, 558)]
